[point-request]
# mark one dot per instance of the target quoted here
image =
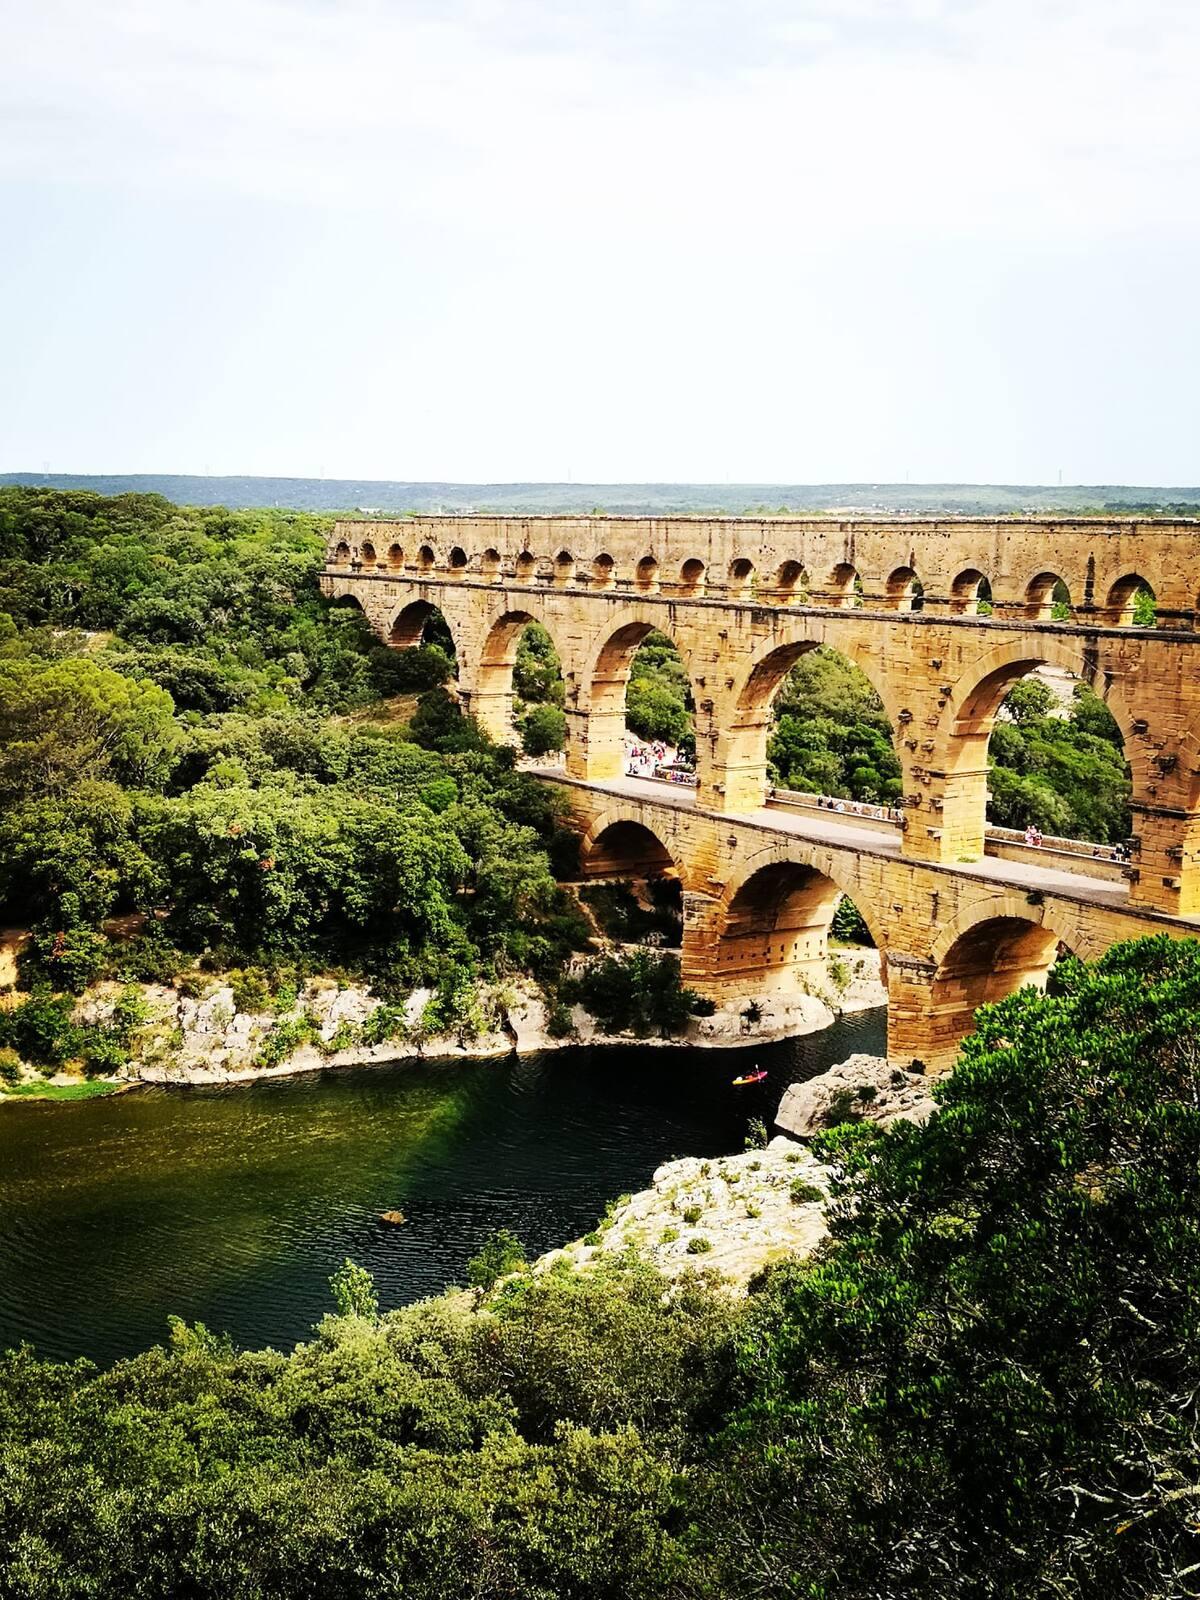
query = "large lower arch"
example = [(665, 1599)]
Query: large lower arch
[(744, 741), (771, 934), (407, 627), (491, 695), (984, 955), (619, 845), (606, 678)]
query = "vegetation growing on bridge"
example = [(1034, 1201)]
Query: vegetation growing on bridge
[(983, 1386)]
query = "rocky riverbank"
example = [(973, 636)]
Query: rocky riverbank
[(208, 1033), (740, 1213)]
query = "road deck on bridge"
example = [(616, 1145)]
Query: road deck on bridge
[(838, 830)]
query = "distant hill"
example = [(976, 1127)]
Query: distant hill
[(645, 499)]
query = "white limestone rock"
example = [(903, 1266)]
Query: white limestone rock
[(871, 1089), (733, 1215)]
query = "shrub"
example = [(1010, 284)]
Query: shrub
[(698, 1246), (501, 1254), (692, 1214), (803, 1193)]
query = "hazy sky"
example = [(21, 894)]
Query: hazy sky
[(789, 240)]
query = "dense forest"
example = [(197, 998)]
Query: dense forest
[(983, 1386), (191, 735)]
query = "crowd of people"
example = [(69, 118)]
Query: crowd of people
[(656, 760)]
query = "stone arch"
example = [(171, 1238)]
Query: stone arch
[(367, 553), (741, 576), (691, 577), (489, 563), (843, 587), (492, 690), (604, 572), (771, 935), (457, 560), (564, 567), (1039, 595), (426, 558), (619, 844), (970, 715), (790, 583), (1122, 598), (407, 627), (967, 591), (903, 590), (341, 556), (395, 557), (984, 955), (750, 720), (605, 678), (646, 576), (526, 569)]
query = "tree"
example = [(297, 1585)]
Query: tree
[(502, 1253), (66, 720), (986, 1384), (354, 1292), (543, 730)]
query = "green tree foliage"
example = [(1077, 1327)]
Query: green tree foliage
[(249, 823), (832, 735), (61, 721), (543, 730), (639, 993), (986, 1385), (353, 1291), (501, 1254), (658, 699), (1064, 773)]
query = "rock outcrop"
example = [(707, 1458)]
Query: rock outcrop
[(862, 1088), (735, 1214)]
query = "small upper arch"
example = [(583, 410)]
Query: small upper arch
[(426, 558), (1130, 602), (341, 556), (845, 586), (367, 553), (790, 583), (1047, 598), (564, 567), (968, 591), (691, 577), (603, 571), (489, 563), (646, 576), (458, 559), (903, 590), (395, 557), (741, 576), (526, 566)]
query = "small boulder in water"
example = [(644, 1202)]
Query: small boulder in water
[(394, 1219)]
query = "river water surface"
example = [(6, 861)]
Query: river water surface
[(233, 1205)]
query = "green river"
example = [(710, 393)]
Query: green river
[(233, 1205)]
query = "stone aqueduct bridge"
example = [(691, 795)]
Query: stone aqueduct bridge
[(743, 599)]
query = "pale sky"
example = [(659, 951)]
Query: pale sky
[(642, 240)]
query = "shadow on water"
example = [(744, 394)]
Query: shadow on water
[(233, 1205)]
